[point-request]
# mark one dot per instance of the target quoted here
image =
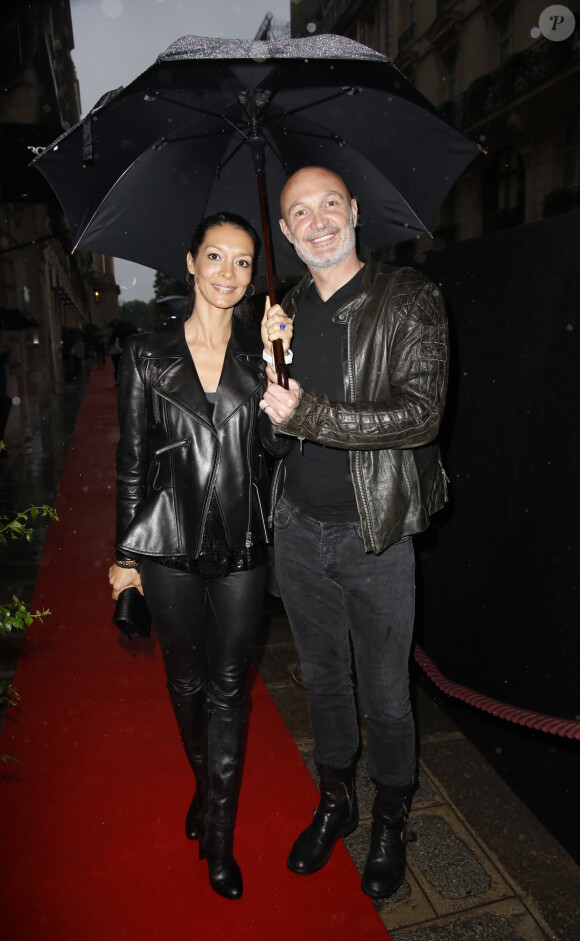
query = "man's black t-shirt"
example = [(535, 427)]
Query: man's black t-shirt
[(318, 478)]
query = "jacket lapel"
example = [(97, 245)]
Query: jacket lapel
[(242, 373), (176, 379)]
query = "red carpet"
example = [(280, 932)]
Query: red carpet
[(91, 820)]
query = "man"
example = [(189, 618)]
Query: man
[(370, 368)]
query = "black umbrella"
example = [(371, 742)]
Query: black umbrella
[(176, 304), (122, 327), (150, 160)]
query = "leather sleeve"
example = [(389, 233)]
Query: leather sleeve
[(132, 447), (276, 446), (415, 356)]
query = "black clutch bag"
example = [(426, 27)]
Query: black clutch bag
[(132, 614)]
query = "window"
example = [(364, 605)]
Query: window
[(505, 31), (451, 67), (505, 191), (508, 179)]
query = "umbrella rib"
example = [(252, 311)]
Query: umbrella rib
[(204, 111), (351, 90)]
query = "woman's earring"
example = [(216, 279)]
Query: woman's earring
[(248, 288)]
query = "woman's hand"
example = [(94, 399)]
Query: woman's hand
[(279, 403), (276, 326), (121, 578)]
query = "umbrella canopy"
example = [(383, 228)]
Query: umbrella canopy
[(181, 141), (123, 327)]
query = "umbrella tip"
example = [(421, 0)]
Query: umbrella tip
[(482, 150)]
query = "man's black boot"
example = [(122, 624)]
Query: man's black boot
[(189, 711), (336, 816), (386, 864)]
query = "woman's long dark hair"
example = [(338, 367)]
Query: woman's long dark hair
[(244, 309)]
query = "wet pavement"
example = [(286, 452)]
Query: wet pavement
[(482, 868)]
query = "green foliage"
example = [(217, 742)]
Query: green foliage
[(8, 694), (15, 615), (19, 526)]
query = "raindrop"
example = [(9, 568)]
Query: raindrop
[(569, 327)]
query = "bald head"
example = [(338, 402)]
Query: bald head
[(307, 178), (319, 218)]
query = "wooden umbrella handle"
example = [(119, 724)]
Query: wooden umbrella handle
[(281, 371)]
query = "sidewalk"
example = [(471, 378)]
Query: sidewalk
[(482, 868)]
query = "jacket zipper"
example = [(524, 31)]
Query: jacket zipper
[(249, 463), (357, 478), (174, 444)]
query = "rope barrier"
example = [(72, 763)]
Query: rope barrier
[(567, 728)]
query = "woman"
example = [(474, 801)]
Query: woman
[(192, 502)]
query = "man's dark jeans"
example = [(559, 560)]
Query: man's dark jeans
[(335, 592)]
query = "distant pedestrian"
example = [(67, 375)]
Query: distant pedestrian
[(100, 348), (76, 355), (114, 350), (5, 400)]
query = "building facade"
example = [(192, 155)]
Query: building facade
[(496, 77), (45, 292)]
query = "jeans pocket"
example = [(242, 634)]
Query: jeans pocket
[(356, 529), (284, 513)]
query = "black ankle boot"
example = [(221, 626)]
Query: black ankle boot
[(189, 711), (336, 816), (386, 864), (224, 751)]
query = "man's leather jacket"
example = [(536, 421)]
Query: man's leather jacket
[(394, 357), (173, 453)]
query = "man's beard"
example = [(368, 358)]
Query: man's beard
[(340, 254)]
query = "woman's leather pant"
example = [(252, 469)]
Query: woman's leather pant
[(207, 629)]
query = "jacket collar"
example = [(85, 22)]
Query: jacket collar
[(177, 381), (343, 315)]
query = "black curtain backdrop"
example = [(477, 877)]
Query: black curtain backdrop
[(498, 599)]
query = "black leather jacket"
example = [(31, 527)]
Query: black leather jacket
[(172, 453), (394, 356)]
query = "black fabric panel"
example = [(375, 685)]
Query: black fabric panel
[(499, 599)]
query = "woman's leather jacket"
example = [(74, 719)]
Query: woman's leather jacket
[(173, 453), (394, 356)]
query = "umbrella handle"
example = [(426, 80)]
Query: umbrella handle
[(278, 349), (281, 371)]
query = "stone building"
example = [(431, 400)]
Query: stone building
[(495, 76), (44, 290)]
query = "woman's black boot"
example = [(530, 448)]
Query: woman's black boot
[(336, 816), (386, 864), (189, 711), (224, 751)]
